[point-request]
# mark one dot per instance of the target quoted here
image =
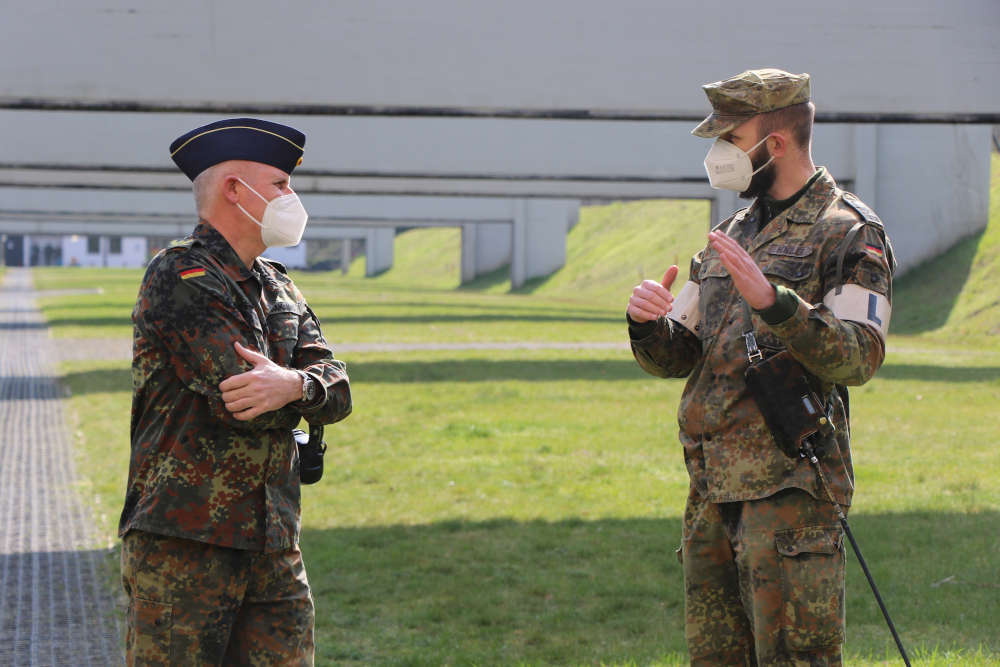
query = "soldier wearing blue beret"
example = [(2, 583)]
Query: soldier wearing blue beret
[(805, 269), (227, 359)]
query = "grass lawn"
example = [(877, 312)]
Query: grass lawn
[(523, 506)]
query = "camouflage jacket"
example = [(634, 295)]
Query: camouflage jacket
[(196, 471), (829, 253)]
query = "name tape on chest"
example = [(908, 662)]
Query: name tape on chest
[(685, 311), (857, 304)]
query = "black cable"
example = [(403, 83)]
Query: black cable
[(811, 453)]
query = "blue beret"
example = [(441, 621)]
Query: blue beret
[(238, 139)]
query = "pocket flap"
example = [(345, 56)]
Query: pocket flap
[(712, 268), (283, 307), (809, 540), (789, 270)]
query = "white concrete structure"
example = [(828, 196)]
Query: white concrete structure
[(292, 258), (107, 251), (909, 56), (492, 117)]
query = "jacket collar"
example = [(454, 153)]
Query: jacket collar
[(806, 210), (217, 245)]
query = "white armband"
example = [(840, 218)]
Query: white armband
[(685, 311), (857, 304)]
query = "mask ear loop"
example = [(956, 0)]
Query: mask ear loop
[(752, 149), (250, 188)]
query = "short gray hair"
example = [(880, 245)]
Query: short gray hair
[(205, 188)]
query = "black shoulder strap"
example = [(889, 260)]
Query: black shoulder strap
[(845, 245)]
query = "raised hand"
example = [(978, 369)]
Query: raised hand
[(747, 276), (651, 299)]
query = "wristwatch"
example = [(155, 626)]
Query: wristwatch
[(308, 387)]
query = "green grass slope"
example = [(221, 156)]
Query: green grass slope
[(953, 296)]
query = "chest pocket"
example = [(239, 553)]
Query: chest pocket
[(787, 272), (283, 331)]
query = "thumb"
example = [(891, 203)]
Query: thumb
[(669, 277), (250, 355)]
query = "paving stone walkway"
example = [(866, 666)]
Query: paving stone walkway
[(55, 606)]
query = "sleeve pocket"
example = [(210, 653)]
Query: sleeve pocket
[(812, 571)]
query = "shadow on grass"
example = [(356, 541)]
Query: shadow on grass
[(467, 370), (125, 321), (611, 591), (498, 276), (933, 373), (526, 370), (920, 304), (487, 370), (567, 317)]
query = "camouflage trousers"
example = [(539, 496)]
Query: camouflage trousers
[(764, 581), (191, 603)]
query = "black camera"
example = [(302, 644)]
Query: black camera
[(311, 451)]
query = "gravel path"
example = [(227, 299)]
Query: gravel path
[(55, 609)]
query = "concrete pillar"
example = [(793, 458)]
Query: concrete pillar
[(539, 237), (345, 256), (378, 250), (866, 163), (485, 247)]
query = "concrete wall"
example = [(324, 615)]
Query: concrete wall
[(914, 176), (75, 252), (499, 174), (934, 56), (932, 186)]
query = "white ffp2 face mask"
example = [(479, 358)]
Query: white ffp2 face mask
[(284, 219), (729, 167)]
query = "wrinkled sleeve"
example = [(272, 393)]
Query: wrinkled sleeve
[(197, 321), (844, 350), (315, 356), (664, 348)]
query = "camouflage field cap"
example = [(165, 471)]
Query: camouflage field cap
[(756, 91)]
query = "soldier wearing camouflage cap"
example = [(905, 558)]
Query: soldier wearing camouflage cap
[(806, 268), (227, 359)]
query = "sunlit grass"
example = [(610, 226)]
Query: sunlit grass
[(522, 507)]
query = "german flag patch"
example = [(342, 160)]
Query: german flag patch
[(874, 249), (192, 273)]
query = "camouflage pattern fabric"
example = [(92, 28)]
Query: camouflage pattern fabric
[(191, 603), (729, 452), (764, 581), (196, 471), (737, 99)]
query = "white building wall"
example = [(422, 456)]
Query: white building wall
[(932, 186), (293, 257), (933, 56), (75, 252)]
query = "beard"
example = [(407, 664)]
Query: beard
[(762, 181)]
